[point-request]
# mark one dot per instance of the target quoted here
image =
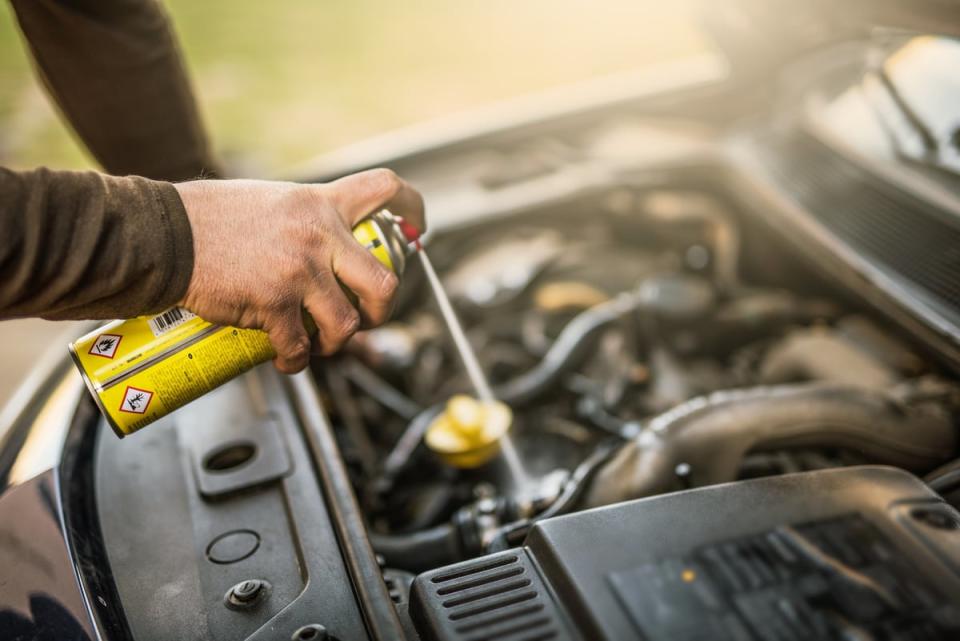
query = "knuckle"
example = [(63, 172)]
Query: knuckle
[(284, 272), (328, 348), (292, 354), (298, 350), (323, 235), (384, 181), (345, 325), (288, 366), (348, 322), (387, 284), (277, 301), (303, 208), (317, 200), (377, 316), (283, 367), (324, 273)]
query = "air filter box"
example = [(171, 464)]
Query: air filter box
[(867, 552)]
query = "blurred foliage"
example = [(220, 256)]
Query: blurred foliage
[(280, 82)]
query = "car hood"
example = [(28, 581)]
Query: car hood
[(759, 36)]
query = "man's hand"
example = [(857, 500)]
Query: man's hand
[(265, 251)]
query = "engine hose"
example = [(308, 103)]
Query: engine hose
[(385, 393), (419, 551), (402, 453), (711, 434), (573, 344), (580, 479)]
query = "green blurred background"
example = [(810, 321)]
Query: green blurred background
[(280, 82)]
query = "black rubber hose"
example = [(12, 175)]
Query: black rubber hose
[(573, 344), (945, 481), (385, 393), (419, 551), (712, 434), (579, 481)]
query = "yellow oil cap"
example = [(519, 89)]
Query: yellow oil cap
[(467, 433)]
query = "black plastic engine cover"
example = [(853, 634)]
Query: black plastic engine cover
[(867, 552), (181, 529)]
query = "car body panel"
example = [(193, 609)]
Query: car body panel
[(40, 597)]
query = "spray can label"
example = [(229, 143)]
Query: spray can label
[(141, 369)]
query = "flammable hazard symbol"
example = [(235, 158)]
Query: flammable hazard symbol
[(105, 345), (135, 400)]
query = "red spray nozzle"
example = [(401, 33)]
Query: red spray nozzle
[(411, 233)]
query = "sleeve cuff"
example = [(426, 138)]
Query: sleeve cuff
[(178, 258)]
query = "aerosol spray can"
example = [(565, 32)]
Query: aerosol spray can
[(141, 369)]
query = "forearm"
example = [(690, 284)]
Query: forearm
[(85, 245), (247, 253), (115, 71)]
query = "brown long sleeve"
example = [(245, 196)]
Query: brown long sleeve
[(86, 245), (114, 70)]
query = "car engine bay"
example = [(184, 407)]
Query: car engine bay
[(707, 427), (647, 342), (728, 349)]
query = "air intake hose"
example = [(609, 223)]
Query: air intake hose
[(712, 434)]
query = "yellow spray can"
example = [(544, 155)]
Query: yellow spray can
[(141, 369)]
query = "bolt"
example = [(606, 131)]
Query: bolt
[(683, 472), (630, 429), (246, 594), (247, 590), (484, 491), (486, 506)]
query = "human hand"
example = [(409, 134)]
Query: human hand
[(264, 251)]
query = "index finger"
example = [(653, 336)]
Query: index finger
[(359, 195)]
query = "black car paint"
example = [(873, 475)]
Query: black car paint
[(40, 599)]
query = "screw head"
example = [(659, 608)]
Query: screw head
[(246, 594), (247, 590)]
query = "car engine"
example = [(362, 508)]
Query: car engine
[(709, 431), (646, 342)]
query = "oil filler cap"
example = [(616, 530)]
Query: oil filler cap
[(467, 433)]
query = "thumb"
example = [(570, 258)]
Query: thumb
[(359, 195)]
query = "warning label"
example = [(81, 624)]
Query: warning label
[(135, 400), (105, 345)]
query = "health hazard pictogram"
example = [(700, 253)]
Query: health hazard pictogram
[(105, 345), (135, 400)]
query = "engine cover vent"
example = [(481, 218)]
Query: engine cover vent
[(499, 597)]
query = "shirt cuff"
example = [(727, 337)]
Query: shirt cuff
[(178, 244)]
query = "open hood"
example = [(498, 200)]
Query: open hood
[(760, 35)]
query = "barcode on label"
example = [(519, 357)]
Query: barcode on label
[(173, 317)]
